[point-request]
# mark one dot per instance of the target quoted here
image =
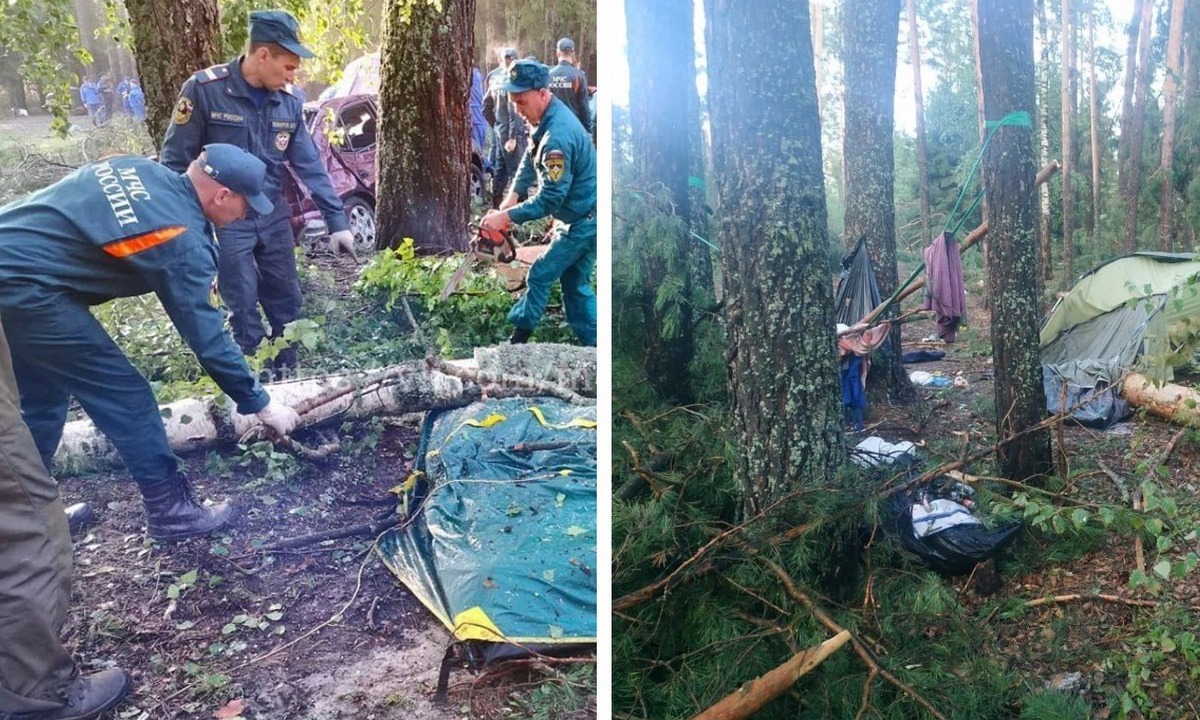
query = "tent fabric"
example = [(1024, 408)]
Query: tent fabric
[(502, 546), (856, 296), (1167, 288), (1135, 312)]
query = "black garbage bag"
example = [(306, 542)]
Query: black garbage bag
[(947, 534)]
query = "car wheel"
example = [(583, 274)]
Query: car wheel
[(361, 215), (478, 184)]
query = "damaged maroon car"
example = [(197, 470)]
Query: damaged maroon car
[(344, 130)]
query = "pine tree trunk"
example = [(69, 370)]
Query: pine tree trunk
[(172, 39), (985, 248), (869, 50), (914, 44), (818, 35), (1094, 116), (424, 152), (1068, 155), (1137, 122), (1123, 143), (1044, 239), (1166, 231), (1006, 51), (783, 376), (660, 44)]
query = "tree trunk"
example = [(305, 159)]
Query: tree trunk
[(172, 40), (1137, 121), (914, 46), (869, 57), (1006, 49), (661, 49), (424, 151), (1094, 116), (981, 116), (1166, 231), (818, 35), (1044, 239), (1068, 155), (783, 376), (1123, 143)]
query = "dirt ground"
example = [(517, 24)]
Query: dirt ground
[(1051, 641), (212, 628)]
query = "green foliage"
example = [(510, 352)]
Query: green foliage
[(475, 315), (272, 466), (45, 34), (558, 696), (1055, 705)]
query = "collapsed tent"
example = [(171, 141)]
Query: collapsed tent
[(1132, 313), (856, 295), (502, 544)]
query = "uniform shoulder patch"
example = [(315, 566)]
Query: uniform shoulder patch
[(555, 162), (183, 111), (216, 72)]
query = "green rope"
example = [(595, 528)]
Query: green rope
[(1018, 118)]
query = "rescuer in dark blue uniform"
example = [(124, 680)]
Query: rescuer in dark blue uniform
[(250, 102), (510, 131), (562, 159), (119, 228), (569, 83)]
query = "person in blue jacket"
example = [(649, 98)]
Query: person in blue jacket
[(89, 95), (123, 227), (137, 100), (251, 102), (562, 160)]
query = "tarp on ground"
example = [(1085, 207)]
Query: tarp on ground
[(1140, 312), (502, 547)]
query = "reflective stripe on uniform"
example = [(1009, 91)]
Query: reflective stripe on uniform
[(210, 73), (138, 243)]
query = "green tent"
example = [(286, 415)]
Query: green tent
[(1137, 313), (501, 546)]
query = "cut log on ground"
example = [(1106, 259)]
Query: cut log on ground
[(1175, 403), (751, 697), (200, 423)]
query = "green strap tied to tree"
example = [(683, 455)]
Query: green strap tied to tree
[(1017, 118)]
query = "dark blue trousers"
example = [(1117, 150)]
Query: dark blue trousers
[(257, 266), (570, 259), (60, 351)]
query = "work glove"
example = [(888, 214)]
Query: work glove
[(278, 418), (343, 241), (495, 223)]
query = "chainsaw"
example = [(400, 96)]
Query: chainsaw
[(496, 243)]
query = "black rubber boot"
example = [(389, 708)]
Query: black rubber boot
[(88, 697), (173, 514), (520, 336), (79, 516)]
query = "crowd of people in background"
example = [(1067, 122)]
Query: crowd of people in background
[(103, 99)]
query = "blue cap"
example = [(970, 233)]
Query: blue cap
[(239, 171), (566, 45), (525, 75), (279, 27)]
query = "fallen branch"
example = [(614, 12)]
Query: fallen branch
[(384, 522), (1086, 597), (859, 649), (509, 383), (751, 697)]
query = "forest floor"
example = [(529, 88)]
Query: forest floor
[(1135, 653), (212, 627)]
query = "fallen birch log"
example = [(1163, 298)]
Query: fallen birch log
[(751, 697), (1175, 403), (199, 423)]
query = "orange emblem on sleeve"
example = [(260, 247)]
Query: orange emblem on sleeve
[(145, 241)]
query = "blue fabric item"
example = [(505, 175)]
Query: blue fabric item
[(89, 93), (122, 227), (479, 126), (526, 75), (920, 356), (216, 105), (570, 259), (258, 266), (137, 102), (854, 397)]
